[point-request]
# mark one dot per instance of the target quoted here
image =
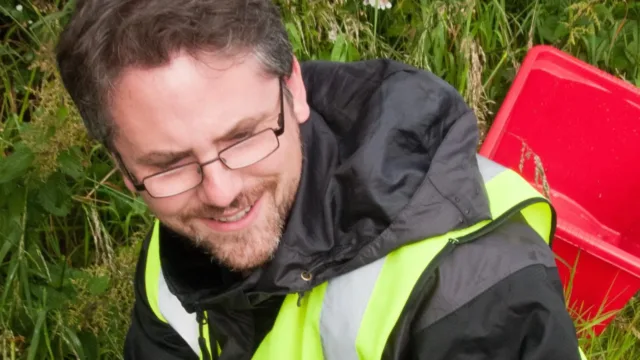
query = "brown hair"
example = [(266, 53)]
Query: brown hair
[(103, 37)]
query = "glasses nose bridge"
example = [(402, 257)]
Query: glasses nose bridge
[(209, 162), (218, 182)]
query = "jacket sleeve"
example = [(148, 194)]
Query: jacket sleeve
[(148, 337), (522, 317)]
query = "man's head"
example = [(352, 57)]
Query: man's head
[(200, 101)]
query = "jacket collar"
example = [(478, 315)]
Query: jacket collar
[(389, 158)]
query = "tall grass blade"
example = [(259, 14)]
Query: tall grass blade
[(35, 337)]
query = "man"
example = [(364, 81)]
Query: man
[(314, 211)]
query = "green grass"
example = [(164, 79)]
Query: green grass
[(69, 230)]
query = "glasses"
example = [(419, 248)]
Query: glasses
[(180, 179)]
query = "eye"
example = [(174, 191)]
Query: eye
[(166, 165), (241, 135)]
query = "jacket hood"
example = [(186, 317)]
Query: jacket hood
[(389, 159)]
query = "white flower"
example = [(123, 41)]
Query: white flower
[(382, 4), (333, 33), (19, 7)]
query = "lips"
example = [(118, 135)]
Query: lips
[(235, 217), (236, 222)]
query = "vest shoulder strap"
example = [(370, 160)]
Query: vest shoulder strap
[(350, 323), (153, 271), (166, 306)]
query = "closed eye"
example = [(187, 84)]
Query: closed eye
[(164, 160), (241, 135), (168, 165)]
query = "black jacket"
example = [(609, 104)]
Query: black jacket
[(389, 159)]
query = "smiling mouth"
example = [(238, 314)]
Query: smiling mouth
[(242, 219), (236, 217)]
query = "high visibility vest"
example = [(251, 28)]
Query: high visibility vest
[(341, 319)]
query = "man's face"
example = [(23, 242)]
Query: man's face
[(190, 110)]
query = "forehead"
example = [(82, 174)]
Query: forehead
[(188, 103)]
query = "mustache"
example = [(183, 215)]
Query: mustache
[(242, 201)]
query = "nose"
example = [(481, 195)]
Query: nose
[(220, 186)]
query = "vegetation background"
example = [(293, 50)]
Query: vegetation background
[(69, 229)]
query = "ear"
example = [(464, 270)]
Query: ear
[(295, 84)]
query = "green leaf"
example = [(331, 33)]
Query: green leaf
[(322, 55), (99, 285), (561, 31), (4, 250), (16, 164), (89, 344), (70, 162), (35, 339), (294, 35), (632, 51), (98, 170), (339, 51), (55, 196), (56, 299), (352, 53), (15, 200), (546, 29), (619, 59), (62, 274), (62, 113), (10, 277), (23, 270), (74, 343), (138, 207), (604, 12)]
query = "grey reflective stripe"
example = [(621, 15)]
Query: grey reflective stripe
[(180, 320), (488, 168), (343, 307), (473, 269)]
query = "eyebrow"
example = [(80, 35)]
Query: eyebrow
[(163, 158), (167, 158), (246, 124)]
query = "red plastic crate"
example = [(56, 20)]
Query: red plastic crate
[(584, 127)]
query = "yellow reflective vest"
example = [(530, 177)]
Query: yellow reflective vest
[(350, 317)]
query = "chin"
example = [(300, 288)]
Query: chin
[(251, 245), (238, 250)]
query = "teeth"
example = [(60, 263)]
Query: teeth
[(235, 217)]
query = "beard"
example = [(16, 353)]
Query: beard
[(250, 247), (255, 245)]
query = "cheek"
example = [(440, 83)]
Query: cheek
[(275, 165), (292, 152), (281, 163), (171, 206)]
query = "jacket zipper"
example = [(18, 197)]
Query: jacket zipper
[(451, 244), (418, 291), (497, 222), (202, 342)]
